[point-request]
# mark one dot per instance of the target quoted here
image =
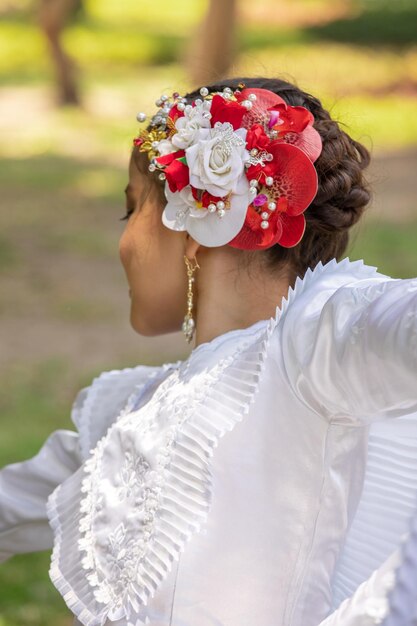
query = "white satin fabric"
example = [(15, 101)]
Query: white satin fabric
[(268, 479)]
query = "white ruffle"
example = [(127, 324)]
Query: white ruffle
[(106, 396), (229, 386), (387, 504), (402, 598)]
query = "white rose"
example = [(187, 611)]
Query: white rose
[(216, 160), (188, 125)]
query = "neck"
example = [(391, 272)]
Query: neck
[(229, 296)]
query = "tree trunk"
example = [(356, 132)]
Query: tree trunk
[(213, 49), (53, 16)]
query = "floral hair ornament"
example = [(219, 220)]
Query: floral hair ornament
[(238, 166)]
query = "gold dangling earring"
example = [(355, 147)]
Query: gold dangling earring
[(188, 325)]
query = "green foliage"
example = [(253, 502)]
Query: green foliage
[(390, 247), (379, 23)]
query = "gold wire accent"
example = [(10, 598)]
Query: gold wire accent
[(188, 325)]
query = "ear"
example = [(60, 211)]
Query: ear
[(191, 247)]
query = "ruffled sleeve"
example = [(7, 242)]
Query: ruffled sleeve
[(26, 486), (369, 604), (24, 489), (350, 350)]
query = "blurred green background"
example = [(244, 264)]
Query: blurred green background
[(64, 155)]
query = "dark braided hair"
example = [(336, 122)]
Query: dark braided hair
[(343, 193)]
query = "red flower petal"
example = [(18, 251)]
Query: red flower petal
[(175, 113), (168, 158), (294, 119), (258, 114), (295, 176), (226, 111), (309, 141), (293, 228), (257, 138), (252, 237), (207, 198), (178, 175)]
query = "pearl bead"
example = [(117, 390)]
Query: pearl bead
[(247, 104), (272, 206), (198, 102), (155, 144), (211, 207), (264, 224), (254, 152), (221, 212), (269, 181), (161, 176), (164, 98), (269, 156), (227, 90), (220, 204), (264, 215), (252, 96), (158, 102), (141, 117), (188, 108), (253, 191), (253, 182), (152, 167), (204, 91), (180, 106)]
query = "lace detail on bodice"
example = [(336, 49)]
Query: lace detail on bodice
[(115, 561)]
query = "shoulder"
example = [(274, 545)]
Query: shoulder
[(335, 281), (97, 405)]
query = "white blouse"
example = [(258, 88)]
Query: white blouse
[(261, 481)]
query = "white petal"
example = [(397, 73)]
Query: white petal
[(177, 201), (197, 212), (217, 231)]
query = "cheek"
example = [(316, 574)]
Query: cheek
[(125, 249)]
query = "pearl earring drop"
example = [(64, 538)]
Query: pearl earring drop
[(188, 325)]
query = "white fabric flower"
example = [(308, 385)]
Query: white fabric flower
[(165, 146), (181, 213), (190, 123), (180, 205), (216, 159)]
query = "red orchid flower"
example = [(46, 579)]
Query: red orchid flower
[(295, 126), (286, 118), (294, 188), (307, 140)]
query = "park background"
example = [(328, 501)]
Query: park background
[(73, 75)]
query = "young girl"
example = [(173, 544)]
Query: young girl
[(269, 478)]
